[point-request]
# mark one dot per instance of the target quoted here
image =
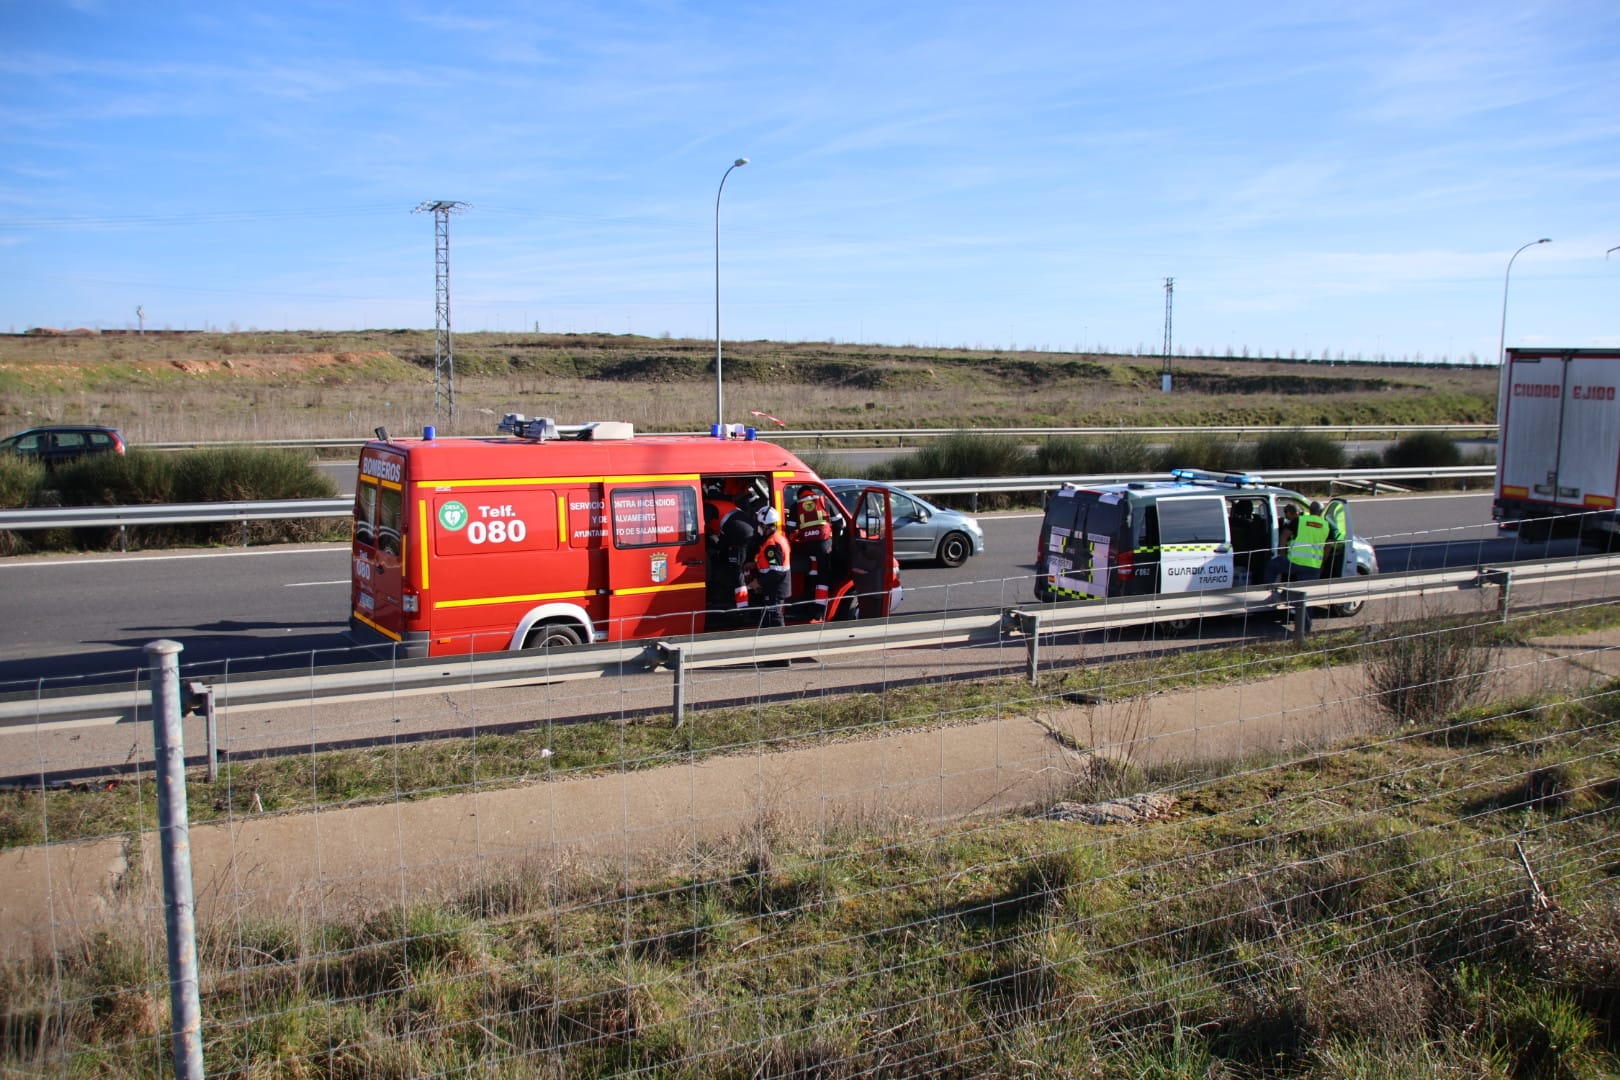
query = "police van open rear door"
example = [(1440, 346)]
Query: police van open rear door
[(871, 557), (1339, 562)]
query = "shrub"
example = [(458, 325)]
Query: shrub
[(20, 481), (140, 476), (1201, 452), (1298, 450), (1366, 459), (1425, 672), (240, 473), (1116, 456), (964, 453), (237, 474), (1421, 450)]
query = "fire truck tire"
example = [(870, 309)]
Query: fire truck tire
[(555, 635)]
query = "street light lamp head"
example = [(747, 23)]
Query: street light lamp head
[(743, 161)]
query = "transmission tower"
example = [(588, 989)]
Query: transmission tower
[(444, 355), (1169, 293)]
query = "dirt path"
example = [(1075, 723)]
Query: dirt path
[(342, 861)]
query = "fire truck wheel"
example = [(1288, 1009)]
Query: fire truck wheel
[(552, 636)]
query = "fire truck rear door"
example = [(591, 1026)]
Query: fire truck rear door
[(871, 552)]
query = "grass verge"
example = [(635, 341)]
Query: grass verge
[(1408, 906)]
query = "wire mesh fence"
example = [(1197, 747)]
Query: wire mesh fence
[(1224, 853)]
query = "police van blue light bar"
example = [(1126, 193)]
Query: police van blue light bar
[(1193, 476)]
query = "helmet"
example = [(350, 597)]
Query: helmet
[(770, 517)]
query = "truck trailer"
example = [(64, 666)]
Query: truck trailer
[(1558, 445)]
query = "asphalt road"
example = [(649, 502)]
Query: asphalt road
[(67, 620)]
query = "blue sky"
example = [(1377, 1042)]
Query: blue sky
[(1351, 176)]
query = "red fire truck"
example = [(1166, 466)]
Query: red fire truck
[(550, 535)]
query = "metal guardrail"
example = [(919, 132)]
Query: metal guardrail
[(1032, 623), (78, 517), (90, 517), (1347, 431)]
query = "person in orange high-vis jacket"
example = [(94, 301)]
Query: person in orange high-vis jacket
[(772, 570), (811, 536)]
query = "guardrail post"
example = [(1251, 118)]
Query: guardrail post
[(1028, 623), (202, 701), (1298, 602), (1503, 579), (675, 657), (174, 832)]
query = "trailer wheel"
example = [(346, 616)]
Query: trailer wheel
[(556, 635)]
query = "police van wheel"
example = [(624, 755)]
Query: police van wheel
[(954, 549), (552, 636), (1178, 627), (1350, 608)]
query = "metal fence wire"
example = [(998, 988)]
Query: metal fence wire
[(1230, 852)]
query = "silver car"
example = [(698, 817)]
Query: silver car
[(921, 529)]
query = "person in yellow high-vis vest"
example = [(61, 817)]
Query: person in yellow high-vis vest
[(1306, 552), (1306, 539)]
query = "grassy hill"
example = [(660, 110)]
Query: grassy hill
[(164, 387)]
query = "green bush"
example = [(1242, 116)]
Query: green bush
[(1202, 452), (1116, 456), (243, 473), (140, 476), (20, 480), (237, 474), (1299, 450), (964, 453), (1422, 450)]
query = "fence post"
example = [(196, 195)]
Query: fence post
[(174, 832)]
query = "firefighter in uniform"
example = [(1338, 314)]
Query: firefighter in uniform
[(772, 570), (811, 536), (730, 535)]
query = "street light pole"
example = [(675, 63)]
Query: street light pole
[(1501, 340), (719, 386)]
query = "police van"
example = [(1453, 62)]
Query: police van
[(549, 535), (1197, 531)]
